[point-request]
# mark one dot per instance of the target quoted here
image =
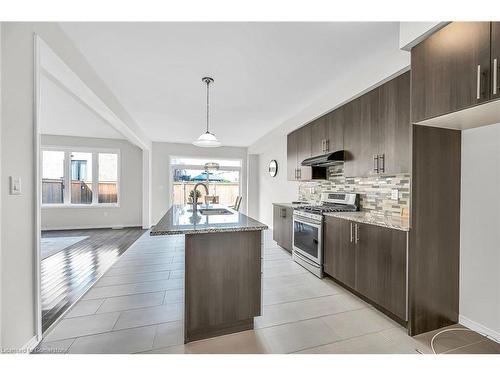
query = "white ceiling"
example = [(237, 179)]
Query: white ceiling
[(264, 73), (61, 113)]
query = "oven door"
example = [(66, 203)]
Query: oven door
[(307, 239)]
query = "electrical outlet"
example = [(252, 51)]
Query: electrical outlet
[(395, 194)]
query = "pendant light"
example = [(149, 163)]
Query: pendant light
[(207, 139)]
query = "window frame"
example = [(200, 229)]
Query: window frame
[(95, 151), (195, 166)]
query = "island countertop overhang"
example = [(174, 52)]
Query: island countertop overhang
[(180, 219)]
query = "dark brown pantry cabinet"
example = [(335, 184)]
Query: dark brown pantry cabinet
[(369, 259), (451, 70), (283, 226)]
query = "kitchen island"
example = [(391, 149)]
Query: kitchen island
[(223, 257)]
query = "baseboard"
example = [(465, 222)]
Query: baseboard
[(30, 345), (105, 226), (479, 328)]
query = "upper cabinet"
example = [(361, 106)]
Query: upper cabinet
[(319, 135), (361, 134), (298, 149), (327, 133), (495, 60), (377, 130), (453, 69), (394, 128), (373, 130), (335, 130)]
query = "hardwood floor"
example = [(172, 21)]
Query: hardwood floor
[(68, 273)]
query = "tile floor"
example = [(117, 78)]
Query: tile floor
[(137, 307)]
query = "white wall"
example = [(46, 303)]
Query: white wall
[(161, 177), (17, 159), (387, 61), (412, 33), (480, 235), (129, 213), (253, 185), (1, 185), (274, 189), (18, 212)]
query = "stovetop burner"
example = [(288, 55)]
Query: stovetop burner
[(332, 202), (321, 209)]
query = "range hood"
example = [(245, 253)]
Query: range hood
[(325, 160)]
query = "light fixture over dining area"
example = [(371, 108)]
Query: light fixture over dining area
[(207, 139)]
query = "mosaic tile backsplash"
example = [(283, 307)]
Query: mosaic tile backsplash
[(374, 191)]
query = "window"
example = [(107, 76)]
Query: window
[(108, 178), (92, 177), (81, 178), (223, 183), (53, 177)]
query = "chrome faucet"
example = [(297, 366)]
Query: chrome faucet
[(195, 196)]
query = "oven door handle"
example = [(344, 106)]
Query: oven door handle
[(306, 221)]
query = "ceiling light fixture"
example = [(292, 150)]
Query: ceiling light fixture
[(207, 139)]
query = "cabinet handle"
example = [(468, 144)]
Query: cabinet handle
[(351, 239), (327, 145), (381, 159), (478, 87), (356, 239), (495, 70), (300, 173), (296, 174), (323, 145), (375, 163)]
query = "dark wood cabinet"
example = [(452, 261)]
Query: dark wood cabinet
[(381, 266), (298, 149), (304, 152), (394, 126), (369, 259), (495, 60), (319, 135), (374, 130), (451, 70), (283, 226), (339, 250), (327, 133), (335, 130), (352, 131), (377, 130), (292, 157), (361, 134)]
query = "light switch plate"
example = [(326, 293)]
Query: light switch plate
[(15, 185), (395, 194)]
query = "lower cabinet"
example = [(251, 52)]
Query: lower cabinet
[(283, 226), (339, 251), (370, 259)]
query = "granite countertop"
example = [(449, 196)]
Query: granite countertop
[(291, 204), (399, 223), (179, 219)]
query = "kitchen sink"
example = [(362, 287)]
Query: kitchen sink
[(214, 211)]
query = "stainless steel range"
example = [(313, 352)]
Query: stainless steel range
[(308, 228)]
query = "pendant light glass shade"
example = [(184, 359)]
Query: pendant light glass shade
[(207, 139)]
